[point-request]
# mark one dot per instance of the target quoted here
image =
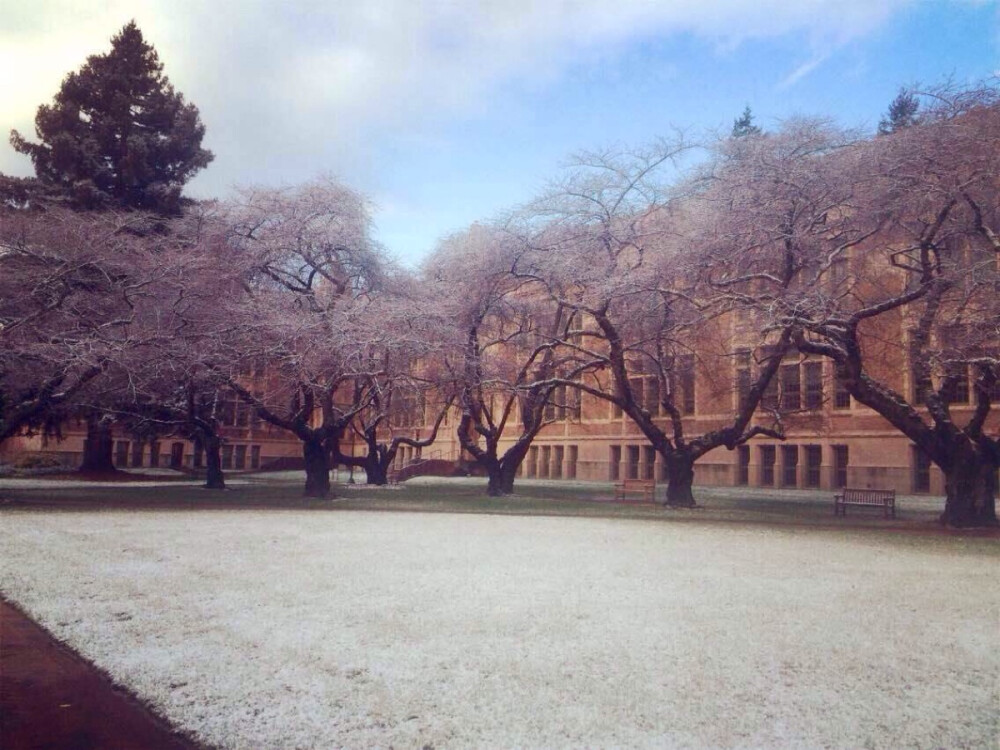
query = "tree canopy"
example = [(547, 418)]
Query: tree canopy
[(117, 134)]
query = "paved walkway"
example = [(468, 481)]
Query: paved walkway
[(52, 698)]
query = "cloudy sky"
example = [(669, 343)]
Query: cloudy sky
[(448, 112)]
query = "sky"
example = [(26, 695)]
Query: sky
[(447, 113)]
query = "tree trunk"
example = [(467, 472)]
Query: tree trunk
[(214, 478), (680, 478), (376, 473), (98, 450), (501, 478), (317, 460), (971, 489)]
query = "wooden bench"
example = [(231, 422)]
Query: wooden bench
[(646, 488), (849, 496)]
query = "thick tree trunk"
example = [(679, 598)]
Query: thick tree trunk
[(971, 489), (98, 451), (214, 478), (317, 460), (680, 478), (376, 473), (501, 478)]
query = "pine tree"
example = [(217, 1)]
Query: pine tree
[(743, 125), (117, 132), (902, 113)]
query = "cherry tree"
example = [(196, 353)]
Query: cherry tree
[(613, 246), (172, 383), (502, 364), (403, 386), (891, 245), (71, 288), (314, 273), (934, 190)]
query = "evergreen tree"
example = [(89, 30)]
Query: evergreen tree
[(743, 125), (902, 113), (117, 132)]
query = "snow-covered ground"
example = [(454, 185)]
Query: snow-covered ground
[(296, 629)]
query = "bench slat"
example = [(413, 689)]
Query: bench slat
[(868, 497), (644, 487)]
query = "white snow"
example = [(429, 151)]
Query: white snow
[(289, 629)]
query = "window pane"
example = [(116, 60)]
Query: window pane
[(814, 384)]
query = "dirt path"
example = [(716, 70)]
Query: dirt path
[(52, 698)]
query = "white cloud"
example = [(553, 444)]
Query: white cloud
[(274, 80), (802, 71)]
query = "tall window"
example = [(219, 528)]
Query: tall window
[(841, 396), (841, 458), (791, 385), (543, 463), (550, 413), (814, 462), (814, 384), (921, 471), (573, 399), (743, 473), (742, 377), (227, 411), (632, 469), (121, 453), (614, 463), (789, 465), (767, 456), (558, 454), (652, 394), (571, 462), (636, 386), (957, 380), (649, 462)]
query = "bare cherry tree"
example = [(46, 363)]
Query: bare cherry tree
[(313, 274), (892, 247), (403, 389), (72, 286), (161, 378), (612, 245), (502, 363)]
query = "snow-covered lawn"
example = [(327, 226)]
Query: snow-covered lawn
[(297, 629)]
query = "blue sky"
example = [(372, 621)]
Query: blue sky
[(445, 113)]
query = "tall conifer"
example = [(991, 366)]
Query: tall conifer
[(117, 133)]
